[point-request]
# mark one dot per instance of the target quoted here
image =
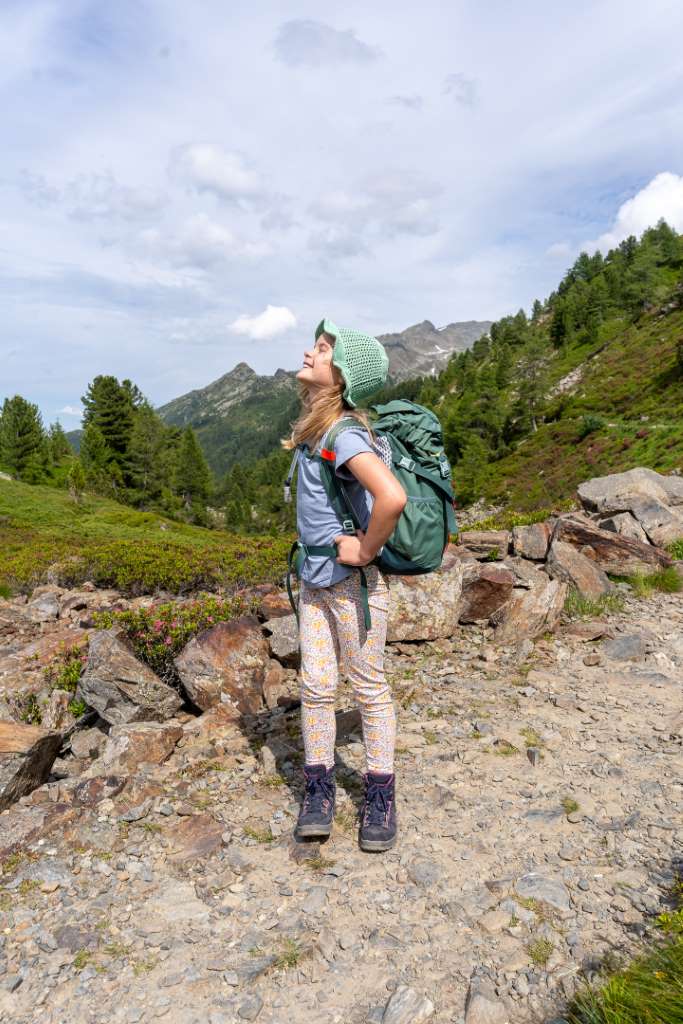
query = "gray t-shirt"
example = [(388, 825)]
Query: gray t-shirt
[(316, 521)]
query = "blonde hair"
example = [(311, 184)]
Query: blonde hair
[(320, 412)]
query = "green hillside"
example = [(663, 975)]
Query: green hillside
[(113, 545), (591, 383), (626, 411)]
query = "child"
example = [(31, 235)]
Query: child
[(342, 367)]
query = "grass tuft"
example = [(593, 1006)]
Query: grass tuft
[(648, 991), (578, 607), (666, 581), (539, 951)]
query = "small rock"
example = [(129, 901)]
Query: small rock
[(494, 921), (543, 889), (625, 648), (568, 852), (406, 1006), (250, 1008), (482, 1006), (424, 872), (315, 901)]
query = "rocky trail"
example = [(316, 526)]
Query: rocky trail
[(540, 811), (155, 875)]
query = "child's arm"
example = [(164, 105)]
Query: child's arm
[(389, 500)]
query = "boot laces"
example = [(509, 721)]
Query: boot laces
[(377, 803), (319, 794)]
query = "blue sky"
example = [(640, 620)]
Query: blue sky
[(185, 186)]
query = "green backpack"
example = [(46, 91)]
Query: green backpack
[(410, 442)]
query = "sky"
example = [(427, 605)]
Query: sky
[(185, 186)]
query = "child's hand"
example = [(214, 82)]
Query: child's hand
[(349, 549)]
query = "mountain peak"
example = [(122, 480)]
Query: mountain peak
[(242, 370)]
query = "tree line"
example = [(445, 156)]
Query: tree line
[(488, 398)]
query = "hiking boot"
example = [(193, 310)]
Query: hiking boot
[(317, 807), (378, 817)]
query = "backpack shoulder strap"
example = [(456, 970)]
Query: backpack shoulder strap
[(345, 423)]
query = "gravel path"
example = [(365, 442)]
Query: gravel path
[(540, 821)]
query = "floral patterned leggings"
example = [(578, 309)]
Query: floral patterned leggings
[(332, 632)]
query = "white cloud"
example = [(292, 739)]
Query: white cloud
[(211, 168), (381, 207), (661, 197), (93, 196), (70, 410), (462, 88), (272, 321), (303, 41), (558, 250), (201, 242), (414, 102), (309, 173)]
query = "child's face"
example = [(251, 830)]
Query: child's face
[(318, 369)]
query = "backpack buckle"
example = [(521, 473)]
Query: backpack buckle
[(347, 526), (444, 468), (406, 463)]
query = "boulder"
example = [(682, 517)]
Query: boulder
[(566, 563), (531, 541), (195, 838), (492, 544), (660, 523), (426, 607), (279, 689), (87, 743), (44, 607), (226, 663), (532, 608), (274, 604), (23, 825), (128, 746), (219, 725), (282, 633), (611, 552), (55, 714), (121, 688), (74, 601), (625, 524), (615, 492), (485, 588), (27, 753), (89, 792)]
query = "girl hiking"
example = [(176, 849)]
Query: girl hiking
[(342, 367)]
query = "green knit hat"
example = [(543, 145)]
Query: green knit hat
[(359, 357)]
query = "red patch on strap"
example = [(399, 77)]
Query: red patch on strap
[(326, 454)]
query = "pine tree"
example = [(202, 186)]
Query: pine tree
[(59, 444), (533, 376), (76, 480), (23, 443), (147, 462), (95, 456), (108, 406), (193, 477), (471, 472)]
